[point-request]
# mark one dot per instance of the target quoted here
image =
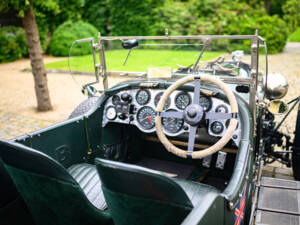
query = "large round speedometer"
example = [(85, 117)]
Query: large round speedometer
[(146, 117), (172, 125)]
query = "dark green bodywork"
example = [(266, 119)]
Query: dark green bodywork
[(82, 139)]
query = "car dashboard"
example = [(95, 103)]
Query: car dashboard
[(137, 107)]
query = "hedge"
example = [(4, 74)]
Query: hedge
[(12, 43), (67, 33)]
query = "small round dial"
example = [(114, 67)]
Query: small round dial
[(111, 113), (222, 109), (205, 103), (142, 97), (172, 125), (116, 99), (217, 127), (182, 100), (146, 117), (158, 97)]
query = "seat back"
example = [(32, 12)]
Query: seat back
[(49, 191), (136, 195)]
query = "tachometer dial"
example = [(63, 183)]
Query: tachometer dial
[(146, 117), (205, 103), (142, 97), (172, 125), (116, 99), (111, 113), (182, 100), (158, 97)]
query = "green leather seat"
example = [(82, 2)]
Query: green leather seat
[(52, 194), (136, 195)]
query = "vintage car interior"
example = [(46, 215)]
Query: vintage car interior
[(149, 151)]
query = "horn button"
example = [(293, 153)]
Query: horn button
[(193, 114)]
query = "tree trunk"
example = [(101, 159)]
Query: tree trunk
[(267, 6), (37, 63)]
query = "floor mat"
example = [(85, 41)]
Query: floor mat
[(171, 169)]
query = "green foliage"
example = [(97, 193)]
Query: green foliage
[(295, 37), (291, 11), (222, 17), (67, 33), (131, 17), (96, 13), (12, 43)]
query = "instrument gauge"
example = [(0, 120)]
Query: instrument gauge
[(217, 127), (111, 113), (172, 125), (222, 109), (182, 100), (146, 117), (116, 99), (158, 97), (205, 103), (143, 96)]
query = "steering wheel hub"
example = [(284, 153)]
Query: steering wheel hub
[(193, 114)]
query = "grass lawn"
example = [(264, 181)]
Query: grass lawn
[(139, 60), (295, 37)]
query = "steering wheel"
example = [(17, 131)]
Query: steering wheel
[(193, 114)]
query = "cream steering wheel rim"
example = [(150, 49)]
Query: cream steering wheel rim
[(218, 145)]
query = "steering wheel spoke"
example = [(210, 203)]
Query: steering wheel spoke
[(218, 115), (192, 137), (172, 114), (196, 99)]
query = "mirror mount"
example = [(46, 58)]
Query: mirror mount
[(277, 107)]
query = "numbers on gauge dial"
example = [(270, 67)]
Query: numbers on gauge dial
[(158, 97), (205, 103), (172, 125), (146, 117), (142, 97), (111, 113), (182, 100), (116, 99)]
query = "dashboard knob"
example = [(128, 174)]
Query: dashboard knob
[(122, 116), (126, 97)]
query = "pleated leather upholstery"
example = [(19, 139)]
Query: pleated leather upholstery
[(87, 177)]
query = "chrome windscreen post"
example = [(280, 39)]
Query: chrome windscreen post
[(254, 76), (103, 71)]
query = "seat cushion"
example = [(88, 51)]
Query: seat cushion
[(87, 177), (194, 190)]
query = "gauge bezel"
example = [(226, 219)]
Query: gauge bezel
[(109, 107), (211, 125), (168, 131), (222, 105), (168, 100), (182, 93), (113, 101), (210, 103), (138, 121), (148, 93)]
